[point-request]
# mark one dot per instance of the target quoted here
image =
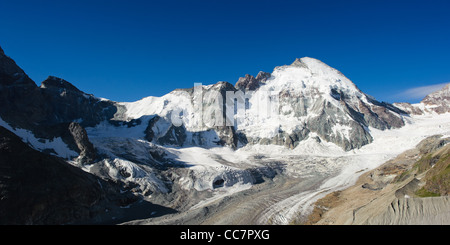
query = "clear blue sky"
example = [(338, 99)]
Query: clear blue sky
[(126, 50)]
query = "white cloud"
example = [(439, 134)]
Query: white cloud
[(421, 92)]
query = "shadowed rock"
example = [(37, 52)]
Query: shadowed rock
[(36, 188)]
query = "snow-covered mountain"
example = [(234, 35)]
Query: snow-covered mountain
[(308, 99), (437, 102), (311, 100)]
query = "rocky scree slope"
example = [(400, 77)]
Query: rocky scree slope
[(410, 189)]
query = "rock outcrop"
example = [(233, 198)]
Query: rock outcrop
[(413, 211), (250, 83), (85, 147), (315, 98), (36, 188), (312, 98), (436, 102)]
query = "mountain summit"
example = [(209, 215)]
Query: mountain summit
[(316, 100), (11, 73)]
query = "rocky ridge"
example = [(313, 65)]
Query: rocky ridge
[(315, 100), (36, 188), (437, 102)]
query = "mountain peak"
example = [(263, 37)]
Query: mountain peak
[(441, 95), (11, 73), (439, 101), (59, 83)]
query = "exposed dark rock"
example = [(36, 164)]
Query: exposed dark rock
[(86, 148), (25, 105), (57, 101), (59, 86), (11, 74), (67, 104), (19, 96), (381, 116), (149, 134), (36, 188), (227, 136)]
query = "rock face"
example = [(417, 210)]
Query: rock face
[(251, 83), (26, 105), (125, 142), (415, 211), (315, 98), (312, 100), (19, 96), (248, 82), (36, 188), (11, 74), (409, 108), (85, 147), (439, 101)]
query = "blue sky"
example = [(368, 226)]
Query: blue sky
[(127, 50)]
